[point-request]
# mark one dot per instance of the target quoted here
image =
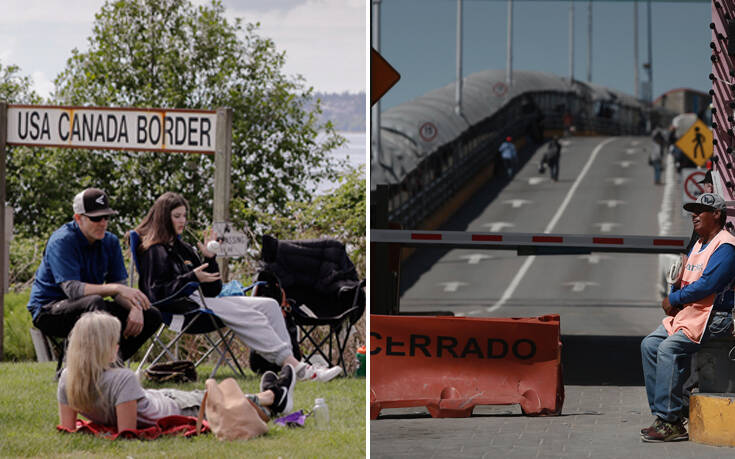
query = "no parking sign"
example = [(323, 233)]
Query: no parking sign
[(691, 185)]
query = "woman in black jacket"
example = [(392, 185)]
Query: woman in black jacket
[(167, 263)]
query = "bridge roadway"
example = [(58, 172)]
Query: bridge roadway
[(605, 187), (602, 323)]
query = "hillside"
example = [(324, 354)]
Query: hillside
[(345, 110)]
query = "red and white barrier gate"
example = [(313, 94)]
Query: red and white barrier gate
[(543, 242)]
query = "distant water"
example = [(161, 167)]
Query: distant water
[(353, 151)]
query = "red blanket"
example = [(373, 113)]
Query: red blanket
[(184, 426)]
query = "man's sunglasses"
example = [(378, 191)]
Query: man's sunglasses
[(98, 218)]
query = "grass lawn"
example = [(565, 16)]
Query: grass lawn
[(28, 419)]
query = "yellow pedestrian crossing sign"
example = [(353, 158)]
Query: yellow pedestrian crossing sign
[(697, 143)]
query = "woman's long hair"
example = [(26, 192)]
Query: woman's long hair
[(90, 352), (156, 227)]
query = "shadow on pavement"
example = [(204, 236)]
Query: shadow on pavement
[(602, 360)]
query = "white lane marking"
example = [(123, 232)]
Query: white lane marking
[(611, 203), (631, 151), (516, 203), (498, 226), (452, 286), (529, 261), (606, 227), (624, 164), (593, 258), (475, 258), (565, 143), (635, 142), (579, 286), (617, 181), (667, 205), (536, 180)]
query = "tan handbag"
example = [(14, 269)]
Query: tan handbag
[(230, 414)]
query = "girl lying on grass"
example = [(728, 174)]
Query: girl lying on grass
[(91, 384)]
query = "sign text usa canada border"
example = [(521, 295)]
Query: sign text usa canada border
[(142, 129)]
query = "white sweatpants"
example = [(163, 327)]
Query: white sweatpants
[(257, 321)]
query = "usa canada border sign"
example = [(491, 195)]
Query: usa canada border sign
[(108, 128), (139, 129)]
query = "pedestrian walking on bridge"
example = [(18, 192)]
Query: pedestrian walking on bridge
[(551, 158), (509, 155)]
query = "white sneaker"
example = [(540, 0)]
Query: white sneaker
[(306, 372)]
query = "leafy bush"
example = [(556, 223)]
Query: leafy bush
[(17, 342), (25, 256), (340, 215)]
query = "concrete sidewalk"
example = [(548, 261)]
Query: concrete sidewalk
[(596, 422)]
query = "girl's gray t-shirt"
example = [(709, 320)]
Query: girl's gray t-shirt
[(120, 385)]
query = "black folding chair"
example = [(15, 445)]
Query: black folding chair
[(202, 321), (322, 288)]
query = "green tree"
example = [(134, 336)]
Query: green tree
[(15, 88), (170, 54), (340, 214)]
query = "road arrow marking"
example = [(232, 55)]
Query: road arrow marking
[(593, 258), (516, 203), (475, 258), (611, 203), (498, 226), (624, 164), (536, 180), (617, 181), (452, 286), (605, 227), (579, 286)]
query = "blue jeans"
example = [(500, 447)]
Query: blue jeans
[(657, 166), (667, 361), (509, 164), (554, 170)]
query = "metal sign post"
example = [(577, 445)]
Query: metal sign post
[(3, 266)]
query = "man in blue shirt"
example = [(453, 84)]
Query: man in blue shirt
[(82, 265), (696, 310), (509, 155)]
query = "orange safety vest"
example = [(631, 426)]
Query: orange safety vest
[(693, 318)]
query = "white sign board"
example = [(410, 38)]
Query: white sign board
[(690, 179), (232, 243), (113, 128)]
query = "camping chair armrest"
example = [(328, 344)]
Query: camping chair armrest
[(253, 285), (184, 291), (305, 319), (357, 293)]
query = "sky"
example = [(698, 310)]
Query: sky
[(324, 40), (418, 38)]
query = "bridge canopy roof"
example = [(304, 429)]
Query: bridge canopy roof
[(413, 130)]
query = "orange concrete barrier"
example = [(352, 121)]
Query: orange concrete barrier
[(452, 364)]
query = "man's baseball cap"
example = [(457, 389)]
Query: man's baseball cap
[(707, 178), (706, 202), (92, 202)]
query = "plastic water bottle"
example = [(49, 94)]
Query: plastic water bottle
[(321, 414)]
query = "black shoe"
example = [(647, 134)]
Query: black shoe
[(268, 381), (282, 390)]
